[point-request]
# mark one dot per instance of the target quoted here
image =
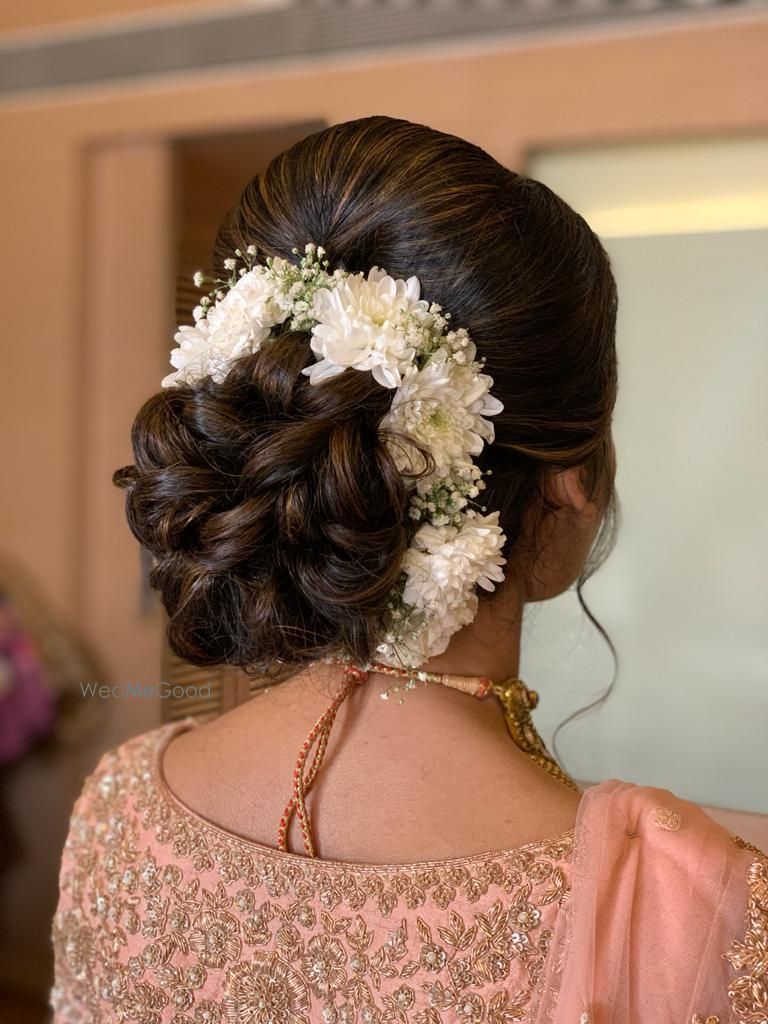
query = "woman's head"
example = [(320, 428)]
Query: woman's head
[(276, 519)]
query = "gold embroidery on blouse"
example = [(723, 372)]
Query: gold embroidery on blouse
[(745, 845), (276, 958), (749, 992), (711, 1019)]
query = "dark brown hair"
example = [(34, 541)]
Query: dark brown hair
[(276, 520)]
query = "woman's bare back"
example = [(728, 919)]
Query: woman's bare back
[(435, 777)]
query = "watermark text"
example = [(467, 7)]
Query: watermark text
[(161, 690)]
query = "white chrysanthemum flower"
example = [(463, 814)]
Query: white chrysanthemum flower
[(444, 563), (191, 357), (444, 406), (360, 324), (236, 325)]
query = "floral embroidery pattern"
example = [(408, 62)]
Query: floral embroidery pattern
[(164, 919), (749, 992), (265, 990)]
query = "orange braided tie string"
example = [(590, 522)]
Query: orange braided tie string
[(319, 733)]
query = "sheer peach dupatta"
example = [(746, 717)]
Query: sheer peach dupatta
[(660, 894)]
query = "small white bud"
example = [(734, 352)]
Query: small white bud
[(198, 278), (230, 264), (251, 250)]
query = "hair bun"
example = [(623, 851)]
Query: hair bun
[(276, 517), (274, 512)]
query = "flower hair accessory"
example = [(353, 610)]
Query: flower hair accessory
[(440, 397)]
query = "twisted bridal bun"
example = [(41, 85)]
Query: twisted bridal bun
[(275, 516)]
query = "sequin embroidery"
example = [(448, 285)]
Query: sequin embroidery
[(165, 918), (749, 992)]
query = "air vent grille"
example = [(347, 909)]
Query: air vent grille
[(312, 27)]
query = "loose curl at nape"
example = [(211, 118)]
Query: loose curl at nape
[(274, 513)]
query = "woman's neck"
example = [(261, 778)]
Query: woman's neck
[(488, 646)]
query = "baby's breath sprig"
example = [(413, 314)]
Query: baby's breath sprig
[(401, 622), (220, 285), (299, 281), (445, 503), (429, 327)]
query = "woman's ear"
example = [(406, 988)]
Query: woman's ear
[(566, 488)]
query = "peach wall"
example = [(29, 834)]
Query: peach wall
[(126, 316)]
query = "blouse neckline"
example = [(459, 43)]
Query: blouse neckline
[(183, 810)]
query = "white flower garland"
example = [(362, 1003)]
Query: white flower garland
[(440, 397)]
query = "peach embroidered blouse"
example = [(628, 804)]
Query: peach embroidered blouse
[(164, 917), (646, 911)]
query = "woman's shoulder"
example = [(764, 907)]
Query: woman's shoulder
[(703, 886), (123, 770), (137, 748), (656, 870), (670, 864), (664, 820)]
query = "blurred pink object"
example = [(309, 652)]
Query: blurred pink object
[(27, 705)]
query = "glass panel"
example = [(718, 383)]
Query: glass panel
[(662, 188), (684, 596)]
